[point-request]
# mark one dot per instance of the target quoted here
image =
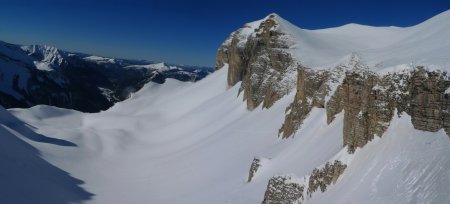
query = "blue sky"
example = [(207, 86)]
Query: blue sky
[(183, 31)]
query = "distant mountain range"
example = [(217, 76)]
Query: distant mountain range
[(41, 74)]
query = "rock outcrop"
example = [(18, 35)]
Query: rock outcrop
[(369, 100), (323, 177), (289, 190), (253, 168), (311, 91), (283, 190), (429, 105), (256, 56), (270, 57)]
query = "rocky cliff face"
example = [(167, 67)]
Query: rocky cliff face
[(283, 189), (260, 56), (369, 100), (256, 56), (288, 189)]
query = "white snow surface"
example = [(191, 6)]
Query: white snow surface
[(425, 44), (193, 143), (51, 56), (157, 67), (178, 143), (99, 60)]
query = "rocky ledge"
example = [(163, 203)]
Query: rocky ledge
[(256, 55), (261, 56)]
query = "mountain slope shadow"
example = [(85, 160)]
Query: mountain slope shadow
[(16, 126), (27, 178)]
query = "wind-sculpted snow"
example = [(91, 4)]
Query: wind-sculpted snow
[(26, 177), (195, 142)]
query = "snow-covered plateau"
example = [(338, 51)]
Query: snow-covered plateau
[(353, 114)]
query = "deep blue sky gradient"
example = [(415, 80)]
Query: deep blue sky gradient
[(184, 31)]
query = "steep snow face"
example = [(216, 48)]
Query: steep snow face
[(47, 58), (379, 47), (404, 166), (157, 67), (99, 60), (195, 142)]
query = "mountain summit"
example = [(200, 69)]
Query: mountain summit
[(371, 74), (42, 74), (353, 114)]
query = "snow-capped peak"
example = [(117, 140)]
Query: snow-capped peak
[(47, 58), (99, 60), (425, 44), (160, 67)]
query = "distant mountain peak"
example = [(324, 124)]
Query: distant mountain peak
[(46, 57)]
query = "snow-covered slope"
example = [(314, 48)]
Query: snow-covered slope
[(196, 142), (25, 176), (380, 47), (178, 143)]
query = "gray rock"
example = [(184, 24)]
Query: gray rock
[(260, 62), (281, 190)]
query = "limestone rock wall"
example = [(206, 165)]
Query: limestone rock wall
[(429, 105), (285, 189), (323, 177), (253, 168), (282, 190), (369, 101), (260, 61), (311, 91)]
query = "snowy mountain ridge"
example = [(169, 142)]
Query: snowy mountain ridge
[(343, 129), (47, 57), (379, 47), (42, 74)]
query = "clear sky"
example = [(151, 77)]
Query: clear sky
[(184, 31)]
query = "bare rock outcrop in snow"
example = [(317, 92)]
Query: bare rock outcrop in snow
[(340, 70), (288, 189), (320, 178), (256, 56), (283, 189)]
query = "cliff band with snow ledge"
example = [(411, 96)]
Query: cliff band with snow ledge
[(370, 73), (353, 114)]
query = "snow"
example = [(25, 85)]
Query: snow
[(51, 56), (380, 48), (194, 143), (99, 60), (158, 67), (185, 142), (404, 166), (447, 91), (25, 176), (43, 66), (169, 142)]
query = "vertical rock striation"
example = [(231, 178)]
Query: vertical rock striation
[(321, 178), (270, 58), (283, 190), (256, 56), (369, 100), (311, 91)]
